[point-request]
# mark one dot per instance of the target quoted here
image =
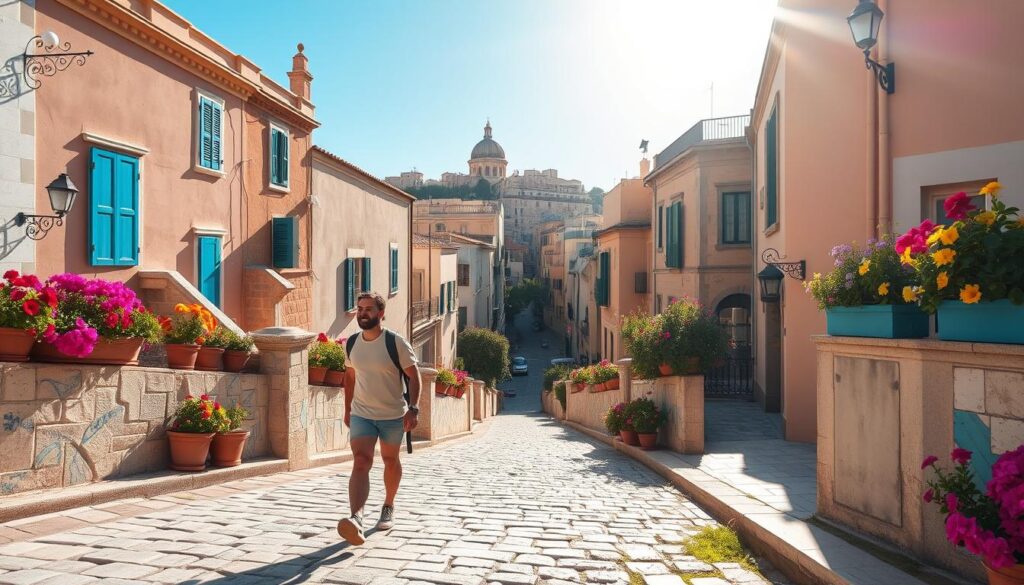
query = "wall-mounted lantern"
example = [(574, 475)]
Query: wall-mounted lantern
[(774, 271), (55, 57), (62, 194), (865, 21)]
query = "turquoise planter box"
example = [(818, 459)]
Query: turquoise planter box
[(987, 322), (888, 321)]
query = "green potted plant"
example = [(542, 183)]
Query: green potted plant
[(229, 442), (334, 360), (579, 378), (554, 374), (606, 375), (182, 334), (237, 350), (869, 293), (211, 350), (318, 359), (615, 420), (684, 339), (971, 272), (646, 419), (27, 312), (191, 430), (445, 379)]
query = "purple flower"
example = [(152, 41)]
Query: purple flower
[(848, 284), (849, 276)]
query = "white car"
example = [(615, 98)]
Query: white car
[(519, 367)]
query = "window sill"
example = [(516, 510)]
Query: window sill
[(203, 170), (771, 229), (279, 188)]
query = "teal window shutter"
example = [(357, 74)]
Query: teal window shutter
[(604, 282), (113, 209), (367, 283), (126, 211), (661, 221), (674, 244), (350, 284), (274, 148), (216, 126), (451, 297), (394, 269), (210, 140), (282, 158), (771, 144), (284, 242), (210, 268), (101, 207), (441, 306)]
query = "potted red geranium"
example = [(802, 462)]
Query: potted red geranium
[(229, 442), (27, 310), (195, 422), (318, 360), (989, 524)]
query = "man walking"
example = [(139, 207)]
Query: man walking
[(380, 362)]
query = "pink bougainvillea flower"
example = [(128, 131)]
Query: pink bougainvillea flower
[(958, 206), (928, 461), (961, 456)]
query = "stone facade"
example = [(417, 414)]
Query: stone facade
[(17, 136), (65, 425)]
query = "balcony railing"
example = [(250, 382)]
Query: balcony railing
[(484, 208), (703, 131), (422, 310)]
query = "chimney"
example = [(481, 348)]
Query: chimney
[(645, 167), (299, 76)]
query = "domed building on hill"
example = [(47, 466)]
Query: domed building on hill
[(488, 158)]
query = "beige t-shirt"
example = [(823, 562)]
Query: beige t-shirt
[(379, 394)]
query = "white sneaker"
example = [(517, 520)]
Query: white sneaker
[(387, 518), (351, 529)]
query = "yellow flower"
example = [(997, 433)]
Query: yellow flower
[(883, 289), (181, 308), (905, 258), (944, 256), (864, 267), (986, 217), (970, 294), (942, 280), (817, 276), (935, 235), (949, 235), (910, 294), (992, 189)]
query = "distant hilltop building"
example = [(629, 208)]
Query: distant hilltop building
[(528, 198)]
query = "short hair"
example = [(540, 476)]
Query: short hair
[(375, 297)]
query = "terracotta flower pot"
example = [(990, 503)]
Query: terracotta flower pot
[(182, 356), (440, 388), (210, 359), (648, 440), (113, 352), (460, 391), (599, 387), (578, 388), (629, 438), (189, 450), (665, 370), (451, 391), (317, 375), (335, 378), (15, 344), (226, 448), (235, 360), (612, 384), (1006, 576)]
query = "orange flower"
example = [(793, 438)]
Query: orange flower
[(970, 294), (165, 323), (181, 308)]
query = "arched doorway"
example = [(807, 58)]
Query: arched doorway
[(733, 313), (734, 377)]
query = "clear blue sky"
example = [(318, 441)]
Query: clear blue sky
[(568, 84)]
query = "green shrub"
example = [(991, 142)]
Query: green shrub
[(684, 331), (644, 416), (485, 354), (236, 342), (559, 390), (554, 374)]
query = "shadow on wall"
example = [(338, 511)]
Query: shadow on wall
[(9, 241)]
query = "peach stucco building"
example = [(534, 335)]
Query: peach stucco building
[(839, 160), (192, 164), (435, 299), (623, 257)]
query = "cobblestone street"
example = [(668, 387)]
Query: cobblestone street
[(517, 505)]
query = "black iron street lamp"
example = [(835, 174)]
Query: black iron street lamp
[(864, 21), (62, 194), (774, 271)]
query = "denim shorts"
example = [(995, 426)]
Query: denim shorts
[(389, 431)]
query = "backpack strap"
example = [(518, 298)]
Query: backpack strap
[(350, 343), (392, 344)]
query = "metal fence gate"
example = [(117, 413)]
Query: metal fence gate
[(733, 379)]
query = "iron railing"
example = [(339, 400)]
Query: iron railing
[(444, 209), (422, 310), (732, 379), (704, 131)]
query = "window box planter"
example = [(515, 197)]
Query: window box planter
[(210, 359), (317, 375), (112, 352), (15, 344), (885, 321), (335, 378), (987, 322)]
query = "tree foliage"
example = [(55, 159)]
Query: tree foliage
[(485, 354), (597, 199), (481, 191), (521, 295)]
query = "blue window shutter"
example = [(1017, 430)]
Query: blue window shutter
[(126, 210), (350, 284), (101, 207), (284, 240), (273, 157), (771, 170), (282, 158), (209, 268), (216, 154), (205, 133), (394, 269), (367, 283)]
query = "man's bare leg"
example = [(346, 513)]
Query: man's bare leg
[(392, 478), (358, 488)]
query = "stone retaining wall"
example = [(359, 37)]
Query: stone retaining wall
[(588, 408)]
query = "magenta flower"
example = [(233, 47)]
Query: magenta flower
[(958, 206), (952, 502), (929, 460), (961, 456), (929, 495)]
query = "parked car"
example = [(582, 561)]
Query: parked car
[(519, 367), (563, 361)]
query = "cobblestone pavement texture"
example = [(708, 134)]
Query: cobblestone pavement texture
[(527, 502)]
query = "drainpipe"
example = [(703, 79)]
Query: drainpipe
[(884, 157), (872, 155)]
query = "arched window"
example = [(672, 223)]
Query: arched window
[(733, 313)]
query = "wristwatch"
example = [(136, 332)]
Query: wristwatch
[(415, 410)]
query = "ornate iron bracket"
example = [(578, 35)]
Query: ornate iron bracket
[(38, 225), (49, 63), (797, 270), (885, 74)]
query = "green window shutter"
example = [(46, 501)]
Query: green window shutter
[(670, 236), (771, 170), (394, 269), (282, 158), (604, 281), (674, 251), (284, 236), (442, 308), (350, 284), (274, 148), (661, 213), (367, 283)]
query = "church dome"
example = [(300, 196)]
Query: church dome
[(487, 148)]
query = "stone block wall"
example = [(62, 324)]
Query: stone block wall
[(988, 415), (329, 431), (70, 425), (682, 397), (588, 408)]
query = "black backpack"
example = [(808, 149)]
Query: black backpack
[(391, 343)]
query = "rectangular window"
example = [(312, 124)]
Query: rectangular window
[(735, 218), (278, 156), (463, 314), (208, 268), (114, 209), (661, 221), (284, 235), (771, 145), (209, 133), (367, 280), (674, 236), (604, 280), (463, 274), (394, 268)]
